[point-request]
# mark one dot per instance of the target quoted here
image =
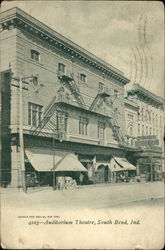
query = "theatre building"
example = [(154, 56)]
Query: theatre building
[(73, 106)]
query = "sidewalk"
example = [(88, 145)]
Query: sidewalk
[(98, 185)]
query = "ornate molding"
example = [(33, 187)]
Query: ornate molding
[(16, 18)]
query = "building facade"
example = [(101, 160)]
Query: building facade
[(150, 116), (72, 100), (148, 132), (131, 117)]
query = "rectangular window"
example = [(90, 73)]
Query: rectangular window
[(149, 116), (142, 130), (160, 121), (34, 114), (138, 129), (130, 117), (35, 55), (146, 130), (29, 114), (83, 125), (153, 118), (62, 121), (83, 78), (142, 114), (101, 130), (138, 115), (115, 93), (156, 119), (61, 68), (146, 117), (131, 131), (150, 131), (101, 86)]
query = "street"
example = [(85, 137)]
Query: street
[(107, 214), (92, 197)]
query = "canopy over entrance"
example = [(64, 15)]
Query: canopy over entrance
[(120, 164), (124, 164), (42, 160)]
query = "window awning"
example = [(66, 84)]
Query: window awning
[(124, 164), (70, 163), (114, 166), (42, 160)]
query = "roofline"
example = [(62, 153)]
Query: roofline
[(130, 103), (138, 89), (21, 16)]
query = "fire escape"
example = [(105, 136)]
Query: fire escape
[(103, 96), (49, 120), (53, 117), (68, 80), (99, 99)]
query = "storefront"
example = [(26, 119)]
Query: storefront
[(43, 162), (149, 160), (116, 170)]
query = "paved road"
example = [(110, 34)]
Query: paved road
[(97, 197), (140, 202)]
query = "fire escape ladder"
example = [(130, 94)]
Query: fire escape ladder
[(68, 78), (47, 114), (76, 92), (115, 126), (102, 95), (95, 101), (117, 131)]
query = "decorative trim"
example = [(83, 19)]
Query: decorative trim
[(20, 19)]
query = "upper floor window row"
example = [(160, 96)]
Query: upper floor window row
[(35, 55), (62, 69)]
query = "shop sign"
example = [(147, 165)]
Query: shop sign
[(147, 143)]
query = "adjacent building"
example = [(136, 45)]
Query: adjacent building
[(144, 113), (150, 115), (73, 105), (131, 118)]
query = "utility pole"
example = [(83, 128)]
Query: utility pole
[(21, 142), (152, 172), (54, 187)]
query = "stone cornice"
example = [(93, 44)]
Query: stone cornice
[(146, 96), (131, 104), (17, 18)]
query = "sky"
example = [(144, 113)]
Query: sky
[(127, 34)]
